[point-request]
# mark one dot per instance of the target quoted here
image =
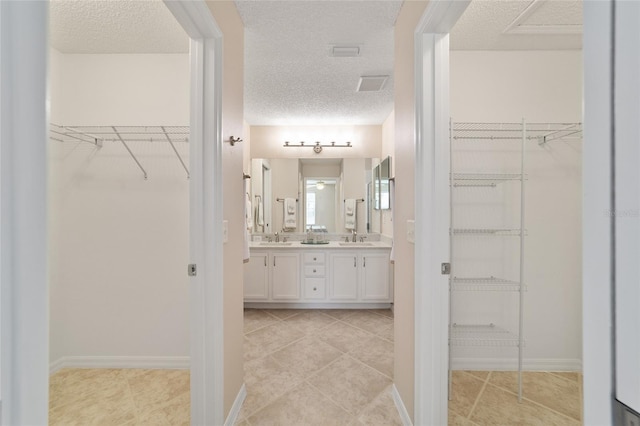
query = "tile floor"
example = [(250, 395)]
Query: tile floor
[(320, 367), (119, 397)]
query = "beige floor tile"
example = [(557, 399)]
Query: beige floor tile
[(70, 385), (178, 411), (154, 418), (555, 392), (457, 420), (343, 336), (377, 324), (376, 353), (465, 390), (269, 339), (497, 407), (349, 383), (382, 411), (110, 406), (242, 423), (571, 375), (310, 321), (479, 374), (255, 319), (385, 312), (266, 380), (303, 405), (306, 356), (338, 314), (283, 313), (155, 389)]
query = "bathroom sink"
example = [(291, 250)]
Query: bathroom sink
[(356, 244), (272, 244)]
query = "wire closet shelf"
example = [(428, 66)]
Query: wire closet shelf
[(506, 139), (98, 135)]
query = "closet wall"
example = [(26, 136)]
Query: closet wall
[(118, 243), (540, 86)]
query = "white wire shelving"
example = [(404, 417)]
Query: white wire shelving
[(484, 284), (98, 135), (482, 335), (487, 138)]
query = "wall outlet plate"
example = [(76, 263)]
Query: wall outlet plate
[(411, 231), (225, 231)]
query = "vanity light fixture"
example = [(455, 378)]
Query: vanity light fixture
[(317, 147)]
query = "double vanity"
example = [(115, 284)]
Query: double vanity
[(335, 274)]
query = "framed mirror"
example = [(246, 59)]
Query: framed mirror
[(381, 176)]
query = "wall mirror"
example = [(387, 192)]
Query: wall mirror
[(321, 186), (381, 176)]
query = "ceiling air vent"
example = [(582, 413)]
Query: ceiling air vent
[(372, 83), (345, 51)]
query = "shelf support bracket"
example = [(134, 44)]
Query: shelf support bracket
[(130, 153), (184, 166)]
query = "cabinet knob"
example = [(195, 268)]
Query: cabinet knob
[(314, 258), (315, 288), (314, 270)]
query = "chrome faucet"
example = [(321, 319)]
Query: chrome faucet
[(277, 238), (354, 235)]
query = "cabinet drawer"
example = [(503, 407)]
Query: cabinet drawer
[(314, 288), (313, 271), (314, 258)]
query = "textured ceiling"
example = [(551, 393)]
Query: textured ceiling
[(290, 77), (121, 26), (519, 25)]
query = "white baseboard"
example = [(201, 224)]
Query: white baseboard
[(237, 405), (510, 364), (146, 362), (402, 410), (295, 305)]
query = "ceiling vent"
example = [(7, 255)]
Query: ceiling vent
[(345, 51), (372, 83)]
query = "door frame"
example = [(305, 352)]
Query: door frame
[(206, 210), (431, 47)]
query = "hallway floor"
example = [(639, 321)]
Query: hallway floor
[(312, 367)]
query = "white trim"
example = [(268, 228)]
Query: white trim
[(144, 362), (517, 26), (206, 250), (511, 364), (265, 305), (402, 410), (237, 405), (24, 295), (596, 231), (432, 209)]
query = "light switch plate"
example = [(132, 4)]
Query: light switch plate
[(411, 231), (225, 231)]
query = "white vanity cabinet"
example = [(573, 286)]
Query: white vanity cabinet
[(256, 276), (308, 277), (360, 276), (272, 276), (285, 276)]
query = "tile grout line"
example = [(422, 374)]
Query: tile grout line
[(534, 402), (330, 399), (475, 403)]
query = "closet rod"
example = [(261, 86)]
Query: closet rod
[(95, 140), (176, 151), (130, 153)]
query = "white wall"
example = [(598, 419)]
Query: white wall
[(119, 244), (541, 87)]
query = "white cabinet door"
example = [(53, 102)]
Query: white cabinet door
[(375, 276), (344, 276), (285, 276), (256, 277)]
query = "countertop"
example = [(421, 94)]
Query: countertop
[(332, 245)]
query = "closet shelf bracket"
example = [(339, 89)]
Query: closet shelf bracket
[(184, 166), (144, 172)]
